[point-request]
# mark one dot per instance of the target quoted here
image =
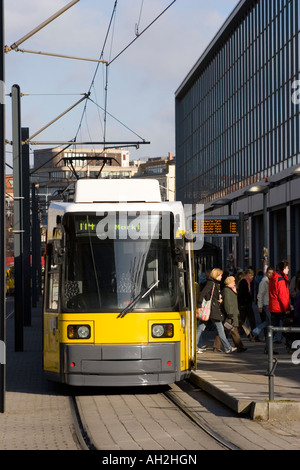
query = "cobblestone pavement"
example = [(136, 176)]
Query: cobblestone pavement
[(37, 415)]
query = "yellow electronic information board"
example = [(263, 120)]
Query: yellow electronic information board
[(216, 226)]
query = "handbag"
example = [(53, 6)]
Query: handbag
[(228, 326), (205, 308)]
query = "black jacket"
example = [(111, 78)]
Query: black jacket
[(216, 313), (244, 295)]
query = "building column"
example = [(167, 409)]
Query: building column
[(250, 238), (288, 234)]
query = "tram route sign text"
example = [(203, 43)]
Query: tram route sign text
[(219, 226)]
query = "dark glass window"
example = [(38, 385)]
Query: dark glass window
[(111, 259), (239, 106)]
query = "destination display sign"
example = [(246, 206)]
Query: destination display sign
[(217, 226)]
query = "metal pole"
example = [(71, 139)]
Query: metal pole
[(241, 240), (34, 251), (270, 362), (265, 195), (2, 214), (18, 218), (57, 118), (266, 235), (26, 226), (42, 25), (63, 56)]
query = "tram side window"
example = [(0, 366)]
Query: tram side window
[(52, 285), (183, 287)]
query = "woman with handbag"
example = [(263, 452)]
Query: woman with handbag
[(211, 297)]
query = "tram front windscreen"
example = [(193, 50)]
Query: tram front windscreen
[(110, 259)]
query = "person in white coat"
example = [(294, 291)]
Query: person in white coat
[(263, 303)]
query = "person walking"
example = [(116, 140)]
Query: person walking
[(201, 325), (263, 303), (279, 296), (231, 309), (245, 300), (212, 291)]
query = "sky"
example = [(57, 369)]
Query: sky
[(141, 82)]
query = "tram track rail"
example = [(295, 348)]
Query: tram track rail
[(88, 442), (82, 436), (193, 417)]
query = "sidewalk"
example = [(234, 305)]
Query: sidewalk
[(37, 415), (240, 380)]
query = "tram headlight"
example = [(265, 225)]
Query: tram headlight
[(84, 332), (163, 330), (79, 331)]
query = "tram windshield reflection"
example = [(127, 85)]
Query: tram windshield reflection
[(113, 257)]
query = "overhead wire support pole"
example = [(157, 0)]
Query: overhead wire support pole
[(18, 218), (15, 46), (26, 226), (41, 26), (114, 144), (56, 119), (63, 56)]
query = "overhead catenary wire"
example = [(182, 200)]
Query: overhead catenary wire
[(144, 30), (111, 61), (97, 66), (116, 119)]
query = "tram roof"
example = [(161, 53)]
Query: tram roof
[(121, 190)]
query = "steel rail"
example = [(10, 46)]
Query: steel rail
[(221, 441)]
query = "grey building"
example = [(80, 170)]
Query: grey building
[(238, 124)]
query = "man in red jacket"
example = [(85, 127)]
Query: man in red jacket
[(279, 296)]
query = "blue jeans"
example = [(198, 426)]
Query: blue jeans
[(200, 328), (264, 324), (267, 320), (220, 330)]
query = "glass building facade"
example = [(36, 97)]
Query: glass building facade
[(238, 110)]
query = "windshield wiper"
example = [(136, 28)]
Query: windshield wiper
[(141, 295)]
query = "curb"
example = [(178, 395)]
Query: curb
[(270, 410), (275, 410)]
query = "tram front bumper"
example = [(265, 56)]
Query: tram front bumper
[(121, 365)]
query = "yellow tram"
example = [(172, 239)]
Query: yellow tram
[(118, 310)]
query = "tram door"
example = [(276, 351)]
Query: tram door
[(51, 306)]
